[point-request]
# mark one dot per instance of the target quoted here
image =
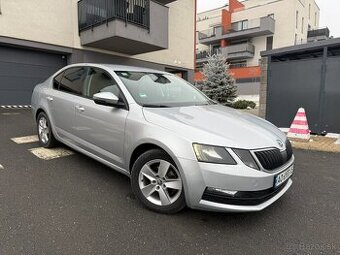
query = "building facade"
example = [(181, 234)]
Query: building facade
[(240, 30), (39, 37)]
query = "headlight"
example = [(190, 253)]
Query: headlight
[(246, 158), (213, 154)]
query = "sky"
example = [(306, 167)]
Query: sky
[(329, 10)]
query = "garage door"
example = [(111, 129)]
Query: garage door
[(21, 70)]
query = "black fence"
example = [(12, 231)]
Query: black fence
[(305, 77), (93, 13)]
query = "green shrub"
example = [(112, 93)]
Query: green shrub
[(244, 104)]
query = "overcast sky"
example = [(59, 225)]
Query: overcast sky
[(329, 12)]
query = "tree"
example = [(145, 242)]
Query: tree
[(218, 83)]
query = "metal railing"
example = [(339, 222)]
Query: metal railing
[(323, 31), (93, 13), (205, 53)]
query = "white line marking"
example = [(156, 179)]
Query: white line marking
[(1, 166), (9, 113), (48, 154), (25, 139)]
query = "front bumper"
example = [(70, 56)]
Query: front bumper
[(255, 188)]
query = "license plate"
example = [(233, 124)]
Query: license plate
[(284, 176)]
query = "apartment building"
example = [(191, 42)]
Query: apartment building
[(240, 30), (39, 37)]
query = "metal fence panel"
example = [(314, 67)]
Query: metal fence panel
[(331, 113), (291, 85)]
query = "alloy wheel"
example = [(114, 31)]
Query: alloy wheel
[(44, 130), (160, 182)]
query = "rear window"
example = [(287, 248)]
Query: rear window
[(73, 80)]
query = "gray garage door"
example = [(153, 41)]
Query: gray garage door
[(21, 70)]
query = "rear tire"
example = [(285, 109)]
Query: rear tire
[(45, 134), (157, 182)]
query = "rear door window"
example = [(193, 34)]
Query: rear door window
[(73, 80)]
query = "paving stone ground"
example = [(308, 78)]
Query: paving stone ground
[(317, 143)]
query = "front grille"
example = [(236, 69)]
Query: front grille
[(274, 158)]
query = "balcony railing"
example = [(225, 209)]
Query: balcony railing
[(93, 13), (231, 52), (206, 53)]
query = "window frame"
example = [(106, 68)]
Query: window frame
[(87, 68), (126, 105), (63, 75)]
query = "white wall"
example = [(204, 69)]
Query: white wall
[(56, 22), (285, 26)]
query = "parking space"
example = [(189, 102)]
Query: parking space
[(61, 202)]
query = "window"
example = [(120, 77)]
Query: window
[(302, 24), (295, 42), (297, 19), (315, 19), (100, 81), (73, 80), (309, 11), (161, 90), (57, 80), (242, 25), (269, 44)]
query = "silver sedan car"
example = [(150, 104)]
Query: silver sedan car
[(178, 147)]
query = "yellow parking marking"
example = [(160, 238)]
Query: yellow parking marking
[(48, 154), (25, 139)]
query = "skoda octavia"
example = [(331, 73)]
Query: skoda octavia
[(178, 147)]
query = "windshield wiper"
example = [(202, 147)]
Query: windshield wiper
[(156, 105)]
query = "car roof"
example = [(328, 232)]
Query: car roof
[(119, 67)]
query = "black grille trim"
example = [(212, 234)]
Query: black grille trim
[(242, 197), (274, 158)]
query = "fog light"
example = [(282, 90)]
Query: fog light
[(223, 191)]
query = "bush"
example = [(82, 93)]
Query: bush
[(244, 104)]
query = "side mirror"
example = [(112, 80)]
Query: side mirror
[(106, 98)]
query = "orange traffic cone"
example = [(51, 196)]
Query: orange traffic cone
[(299, 128)]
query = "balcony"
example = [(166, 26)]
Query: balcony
[(124, 26), (239, 30), (320, 34), (239, 51), (232, 52)]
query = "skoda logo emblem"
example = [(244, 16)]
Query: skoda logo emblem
[(280, 143)]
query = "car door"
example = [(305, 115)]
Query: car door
[(67, 89), (101, 129)]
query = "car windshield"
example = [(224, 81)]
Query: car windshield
[(161, 90)]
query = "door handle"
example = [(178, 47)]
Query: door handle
[(80, 108), (50, 99)]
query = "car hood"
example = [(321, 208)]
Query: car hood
[(217, 125)]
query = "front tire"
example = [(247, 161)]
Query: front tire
[(157, 182), (45, 134)]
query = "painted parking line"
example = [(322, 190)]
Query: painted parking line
[(25, 139), (1, 167), (48, 154)]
